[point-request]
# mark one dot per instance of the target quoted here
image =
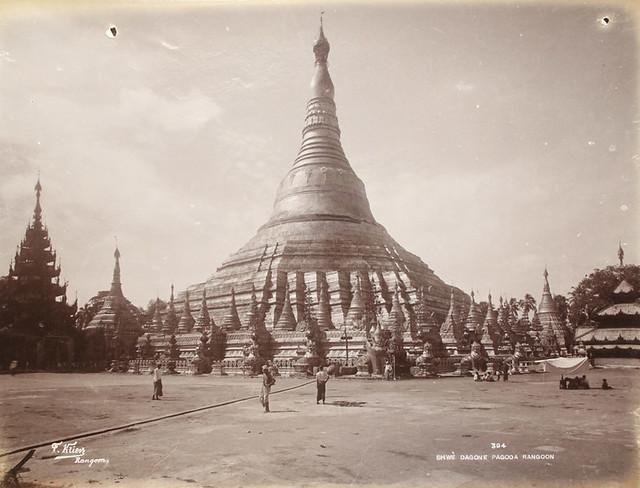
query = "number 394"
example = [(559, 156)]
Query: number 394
[(498, 445)]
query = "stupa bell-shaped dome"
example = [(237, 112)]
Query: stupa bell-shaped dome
[(321, 185)]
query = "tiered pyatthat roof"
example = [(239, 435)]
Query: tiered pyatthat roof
[(34, 301), (35, 263), (626, 306)]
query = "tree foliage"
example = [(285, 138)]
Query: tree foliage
[(562, 305), (595, 291)]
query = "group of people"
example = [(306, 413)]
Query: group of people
[(268, 380), (580, 383), (502, 372), (486, 376), (575, 383)]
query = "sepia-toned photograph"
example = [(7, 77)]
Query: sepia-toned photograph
[(319, 244)]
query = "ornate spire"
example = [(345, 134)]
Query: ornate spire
[(356, 308), (203, 321), (321, 84), (186, 319), (253, 317), (449, 328), (546, 302), (552, 329), (535, 322), (420, 308), (620, 253), (324, 306), (37, 213), (396, 317), (287, 320), (116, 284), (473, 321), (546, 280), (503, 317), (231, 321), (171, 320), (491, 323), (157, 324)]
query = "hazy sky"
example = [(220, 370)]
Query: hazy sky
[(492, 140)]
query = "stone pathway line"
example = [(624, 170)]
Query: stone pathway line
[(145, 421)]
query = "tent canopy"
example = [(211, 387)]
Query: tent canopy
[(565, 366)]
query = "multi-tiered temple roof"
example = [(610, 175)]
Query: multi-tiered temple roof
[(618, 325), (35, 301)]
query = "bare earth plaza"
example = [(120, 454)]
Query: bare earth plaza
[(222, 337), (368, 433)]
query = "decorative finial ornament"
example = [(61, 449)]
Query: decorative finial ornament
[(620, 253), (38, 190), (321, 47), (116, 254)]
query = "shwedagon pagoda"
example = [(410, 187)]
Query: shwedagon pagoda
[(321, 282)]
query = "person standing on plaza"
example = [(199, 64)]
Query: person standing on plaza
[(13, 366), (388, 370), (157, 383), (505, 371), (267, 382), (321, 384)]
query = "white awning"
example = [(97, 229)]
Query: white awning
[(566, 366)]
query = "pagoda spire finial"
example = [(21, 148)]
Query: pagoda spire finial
[(116, 284), (620, 253), (321, 83), (546, 279), (37, 213)]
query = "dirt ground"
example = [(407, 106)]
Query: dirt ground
[(369, 432)]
